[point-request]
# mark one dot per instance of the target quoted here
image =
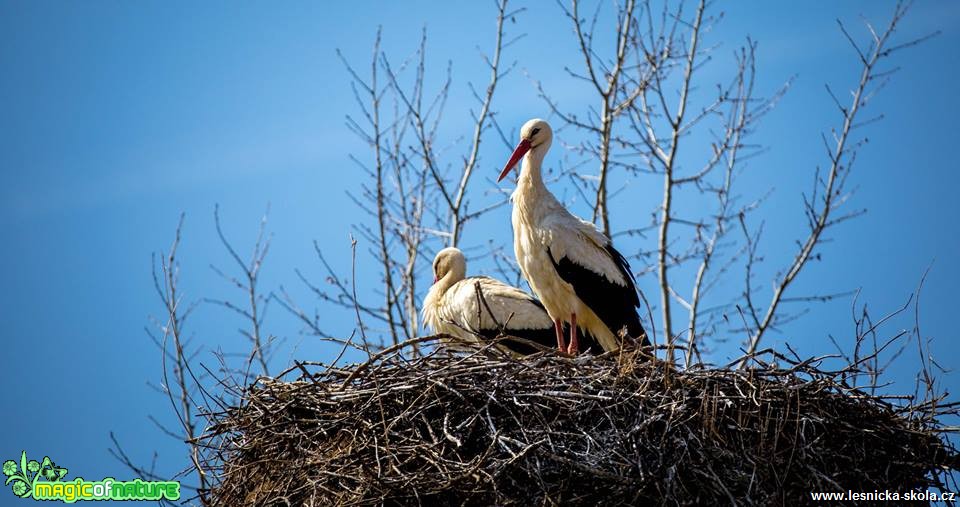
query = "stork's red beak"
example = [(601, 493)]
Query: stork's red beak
[(518, 153)]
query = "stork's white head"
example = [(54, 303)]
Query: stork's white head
[(535, 136), (449, 262)]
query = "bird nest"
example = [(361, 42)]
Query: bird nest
[(487, 429)]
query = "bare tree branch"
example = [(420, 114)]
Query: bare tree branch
[(841, 156)]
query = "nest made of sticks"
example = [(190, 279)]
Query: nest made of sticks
[(486, 429)]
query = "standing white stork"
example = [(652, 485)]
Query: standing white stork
[(452, 306), (570, 265)]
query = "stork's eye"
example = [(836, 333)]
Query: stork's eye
[(534, 131)]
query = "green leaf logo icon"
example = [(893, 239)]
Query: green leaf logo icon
[(23, 476)]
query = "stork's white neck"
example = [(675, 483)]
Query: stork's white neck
[(530, 174), (453, 276), (532, 200), (435, 297)]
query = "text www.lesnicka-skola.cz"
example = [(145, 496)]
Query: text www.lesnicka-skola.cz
[(886, 495)]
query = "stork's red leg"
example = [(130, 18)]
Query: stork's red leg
[(574, 344), (558, 327)]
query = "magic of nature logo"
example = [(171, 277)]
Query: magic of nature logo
[(44, 480)]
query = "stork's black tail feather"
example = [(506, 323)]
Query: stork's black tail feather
[(616, 305)]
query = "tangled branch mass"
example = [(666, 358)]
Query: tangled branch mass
[(486, 429)]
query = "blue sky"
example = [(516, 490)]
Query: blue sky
[(118, 116)]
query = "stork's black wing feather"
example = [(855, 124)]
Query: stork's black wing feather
[(616, 305), (545, 337)]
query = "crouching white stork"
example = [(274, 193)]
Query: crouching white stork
[(570, 265), (454, 306)]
